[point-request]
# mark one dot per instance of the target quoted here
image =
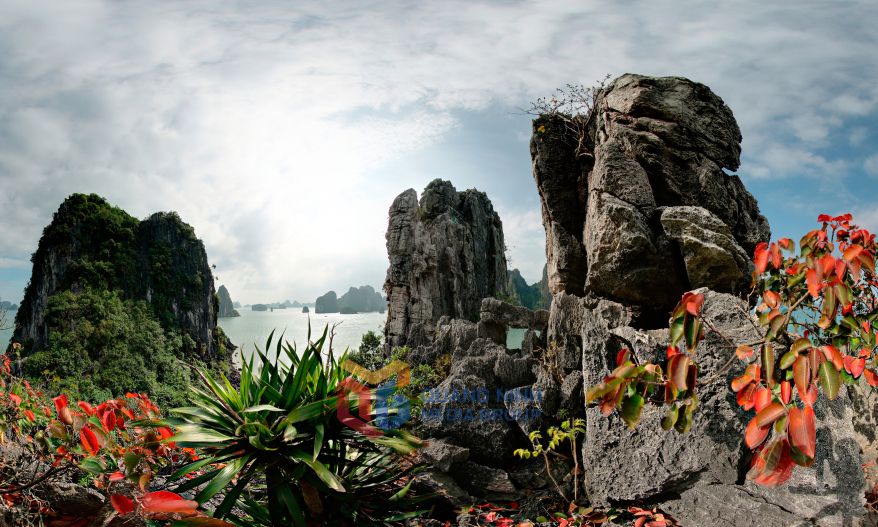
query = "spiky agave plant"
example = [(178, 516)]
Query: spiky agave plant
[(280, 438)]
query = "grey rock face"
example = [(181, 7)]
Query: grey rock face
[(706, 465), (565, 323), (493, 310), (485, 482), (446, 254), (712, 256), (450, 494), (441, 454), (653, 143), (711, 452)]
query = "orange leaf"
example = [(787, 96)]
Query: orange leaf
[(122, 504), (852, 252), (782, 470), (803, 431), (755, 434), (813, 283), (743, 352), (89, 441), (771, 298), (871, 377), (763, 399), (86, 408), (775, 255), (802, 375), (770, 414), (15, 399), (786, 390), (857, 366)]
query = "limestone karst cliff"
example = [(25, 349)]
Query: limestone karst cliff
[(96, 270), (640, 215), (446, 254), (625, 216), (327, 303), (226, 306)]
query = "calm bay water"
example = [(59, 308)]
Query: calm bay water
[(254, 327)]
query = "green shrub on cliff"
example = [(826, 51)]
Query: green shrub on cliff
[(103, 346)]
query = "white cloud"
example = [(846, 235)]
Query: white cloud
[(258, 122), (10, 263)]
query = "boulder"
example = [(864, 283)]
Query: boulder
[(450, 495), (564, 331), (712, 257), (486, 482), (441, 454)]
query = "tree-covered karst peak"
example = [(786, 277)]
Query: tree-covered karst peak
[(114, 302)]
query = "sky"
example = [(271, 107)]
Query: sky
[(282, 131)]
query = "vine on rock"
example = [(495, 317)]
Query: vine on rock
[(828, 291)]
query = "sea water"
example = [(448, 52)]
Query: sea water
[(253, 327)]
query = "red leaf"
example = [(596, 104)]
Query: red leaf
[(117, 476), (513, 505), (871, 377), (108, 421), (761, 257), (840, 267), (770, 414), (803, 431), (15, 399), (802, 375), (771, 299), (747, 396), (857, 366), (694, 304), (763, 399), (29, 415), (164, 501), (786, 243), (775, 255), (678, 368), (786, 392), (743, 352), (824, 218), (813, 283), (832, 354), (782, 470), (673, 350), (86, 408), (755, 434), (623, 357), (89, 441), (811, 397), (122, 504)]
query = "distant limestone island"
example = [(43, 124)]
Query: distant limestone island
[(226, 306), (281, 305), (357, 300), (8, 306)]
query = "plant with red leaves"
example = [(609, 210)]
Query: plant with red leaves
[(832, 285)]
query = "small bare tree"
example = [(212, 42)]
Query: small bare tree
[(574, 105)]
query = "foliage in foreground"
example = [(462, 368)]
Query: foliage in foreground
[(292, 460), (101, 440), (831, 287)]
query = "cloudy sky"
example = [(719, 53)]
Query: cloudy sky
[(282, 131)]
